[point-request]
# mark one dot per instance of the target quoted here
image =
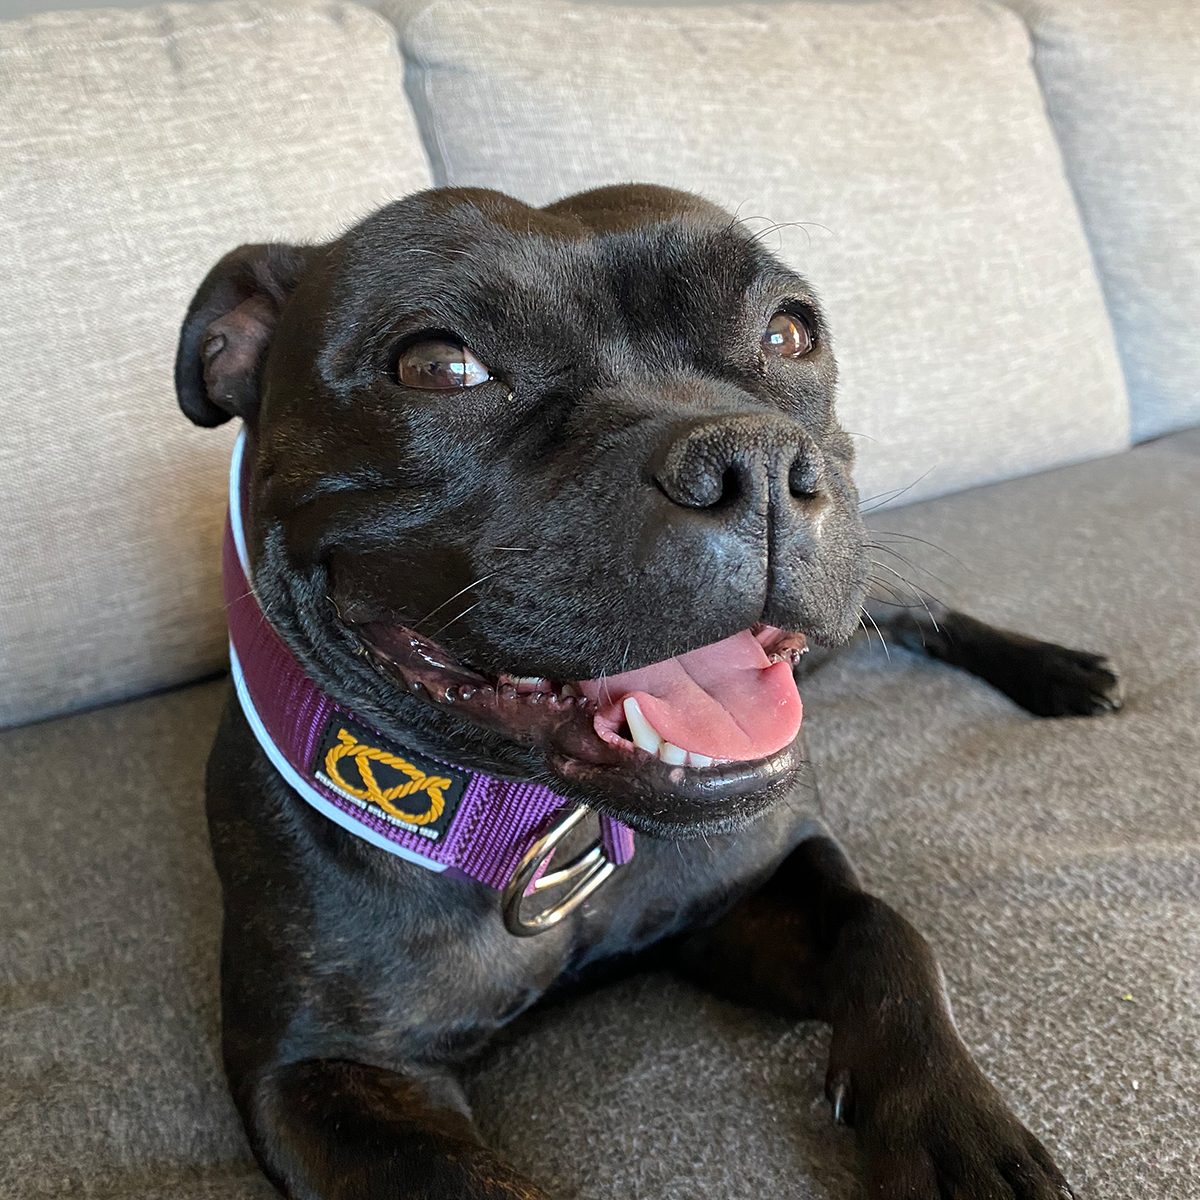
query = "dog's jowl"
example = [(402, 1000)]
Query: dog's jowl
[(534, 517)]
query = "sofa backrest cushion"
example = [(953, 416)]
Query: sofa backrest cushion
[(136, 147), (897, 153), (1122, 84)]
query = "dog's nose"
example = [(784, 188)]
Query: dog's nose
[(742, 467)]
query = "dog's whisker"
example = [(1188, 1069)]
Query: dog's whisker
[(893, 599), (450, 599), (889, 497), (882, 639), (460, 616), (908, 563), (916, 591), (912, 537)]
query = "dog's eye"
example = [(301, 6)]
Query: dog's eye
[(787, 336), (439, 365)]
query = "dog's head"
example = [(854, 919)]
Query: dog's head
[(557, 493)]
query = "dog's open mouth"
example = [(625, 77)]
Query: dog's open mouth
[(711, 724)]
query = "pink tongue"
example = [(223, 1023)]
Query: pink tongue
[(727, 700)]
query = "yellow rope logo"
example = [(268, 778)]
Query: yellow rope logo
[(418, 781)]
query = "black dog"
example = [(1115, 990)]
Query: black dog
[(492, 449)]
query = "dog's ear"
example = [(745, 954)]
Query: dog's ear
[(228, 327)]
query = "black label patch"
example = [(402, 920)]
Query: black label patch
[(390, 782)]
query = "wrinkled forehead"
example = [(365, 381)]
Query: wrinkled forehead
[(478, 262)]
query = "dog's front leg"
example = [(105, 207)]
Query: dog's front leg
[(331, 1129), (813, 944), (1045, 678)]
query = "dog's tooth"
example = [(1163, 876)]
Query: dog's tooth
[(643, 733), (698, 760), (670, 753), (569, 689), (525, 684)]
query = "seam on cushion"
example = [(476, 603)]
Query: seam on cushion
[(283, 18), (438, 137), (650, 23), (422, 64)]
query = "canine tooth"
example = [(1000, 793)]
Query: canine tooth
[(670, 753), (643, 733), (569, 689), (698, 760)]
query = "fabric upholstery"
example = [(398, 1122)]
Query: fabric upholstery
[(896, 153), (1055, 866), (1122, 85), (110, 1071), (137, 147)]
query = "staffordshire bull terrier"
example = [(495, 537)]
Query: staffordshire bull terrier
[(534, 517)]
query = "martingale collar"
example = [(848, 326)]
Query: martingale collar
[(435, 814)]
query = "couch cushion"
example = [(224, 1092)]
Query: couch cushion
[(1122, 84), (136, 148), (1055, 865), (897, 153), (110, 1065)]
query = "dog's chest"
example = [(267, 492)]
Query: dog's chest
[(671, 887)]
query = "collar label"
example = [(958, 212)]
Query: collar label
[(391, 782)]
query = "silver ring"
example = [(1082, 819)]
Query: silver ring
[(590, 869)]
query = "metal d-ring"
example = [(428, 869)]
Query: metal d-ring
[(590, 869)]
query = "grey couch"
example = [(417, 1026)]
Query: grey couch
[(1013, 267)]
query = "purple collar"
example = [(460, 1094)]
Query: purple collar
[(432, 813)]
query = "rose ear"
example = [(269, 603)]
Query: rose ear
[(228, 327)]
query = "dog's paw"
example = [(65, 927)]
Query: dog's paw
[(958, 1139), (1062, 682)]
